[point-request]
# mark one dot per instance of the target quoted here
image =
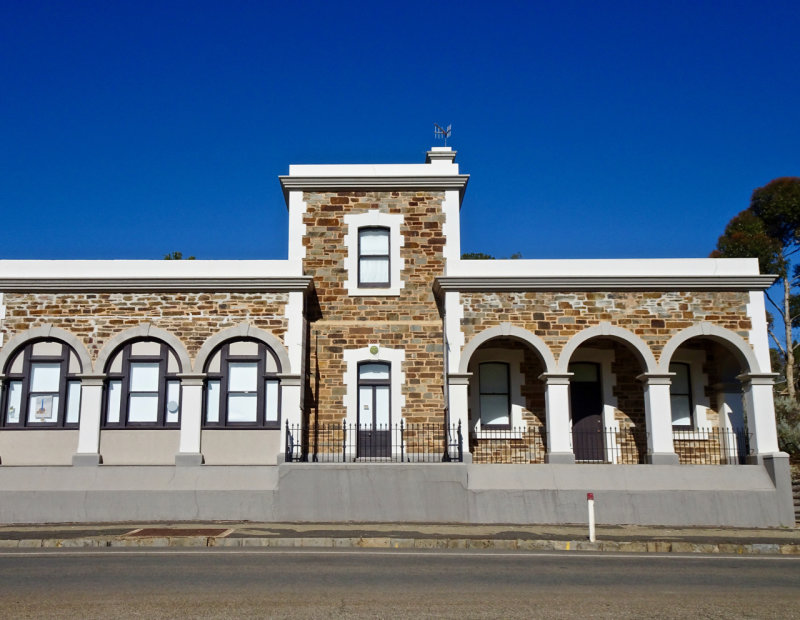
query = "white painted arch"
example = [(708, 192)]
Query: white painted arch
[(46, 332), (731, 340), (145, 330), (243, 330), (507, 330), (607, 330)]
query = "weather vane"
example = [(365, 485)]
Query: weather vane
[(440, 132)]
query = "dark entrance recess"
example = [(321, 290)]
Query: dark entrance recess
[(374, 411), (586, 402)]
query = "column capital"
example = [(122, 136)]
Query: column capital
[(758, 378), (191, 378), (290, 379), (92, 379), (458, 378), (656, 378), (556, 378)]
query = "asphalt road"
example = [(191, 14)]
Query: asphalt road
[(393, 584)]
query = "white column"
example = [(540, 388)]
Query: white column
[(658, 418), (89, 427), (731, 420), (760, 410), (559, 428), (458, 385), (291, 413), (191, 420)]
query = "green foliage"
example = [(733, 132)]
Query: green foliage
[(476, 256), (746, 236), (777, 204), (787, 414), (177, 256)]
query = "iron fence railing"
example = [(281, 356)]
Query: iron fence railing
[(508, 445), (712, 446), (400, 443), (622, 446)]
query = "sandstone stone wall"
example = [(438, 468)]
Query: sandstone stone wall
[(410, 320), (192, 317)]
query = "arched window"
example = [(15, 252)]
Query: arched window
[(242, 386), (42, 388), (142, 386), (373, 257)]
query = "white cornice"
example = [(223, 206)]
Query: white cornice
[(134, 284), (338, 183), (603, 283)]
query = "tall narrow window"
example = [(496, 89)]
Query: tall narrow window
[(242, 386), (495, 401), (373, 257), (680, 394), (42, 388), (143, 389)]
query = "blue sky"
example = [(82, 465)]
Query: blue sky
[(589, 129)]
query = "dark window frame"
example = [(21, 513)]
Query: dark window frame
[(373, 383), (387, 257), (507, 394), (25, 377), (223, 377), (164, 378), (689, 396)]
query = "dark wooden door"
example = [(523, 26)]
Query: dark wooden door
[(374, 431), (586, 402)]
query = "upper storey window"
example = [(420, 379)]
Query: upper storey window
[(373, 263), (373, 257), (42, 388)]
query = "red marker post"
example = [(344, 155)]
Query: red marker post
[(590, 502)]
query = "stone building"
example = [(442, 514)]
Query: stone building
[(374, 375)]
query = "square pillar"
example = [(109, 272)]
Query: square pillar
[(191, 420), (658, 418), (89, 427), (458, 402), (559, 425), (291, 410), (760, 412)]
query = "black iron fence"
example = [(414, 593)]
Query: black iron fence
[(622, 446), (401, 443), (712, 446), (508, 445)]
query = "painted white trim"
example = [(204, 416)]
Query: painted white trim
[(395, 357), (454, 313), (607, 330), (736, 344), (2, 318), (145, 330), (451, 229), (47, 332), (148, 269), (695, 358), (758, 336), (295, 330), (514, 358), (297, 229), (244, 330), (392, 221), (655, 267), (507, 329)]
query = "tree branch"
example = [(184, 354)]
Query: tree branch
[(777, 342)]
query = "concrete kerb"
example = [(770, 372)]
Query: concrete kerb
[(519, 544)]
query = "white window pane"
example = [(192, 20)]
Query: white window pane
[(14, 402), (681, 414), (143, 408), (114, 395), (374, 241), (494, 409), (373, 372), (43, 409), (242, 376), (374, 270), (73, 402), (494, 378), (212, 401), (242, 407), (272, 400), (45, 377), (382, 406), (365, 407), (144, 376), (173, 401), (680, 382)]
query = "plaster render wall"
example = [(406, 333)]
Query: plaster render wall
[(192, 317), (38, 447), (139, 447), (241, 447)]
